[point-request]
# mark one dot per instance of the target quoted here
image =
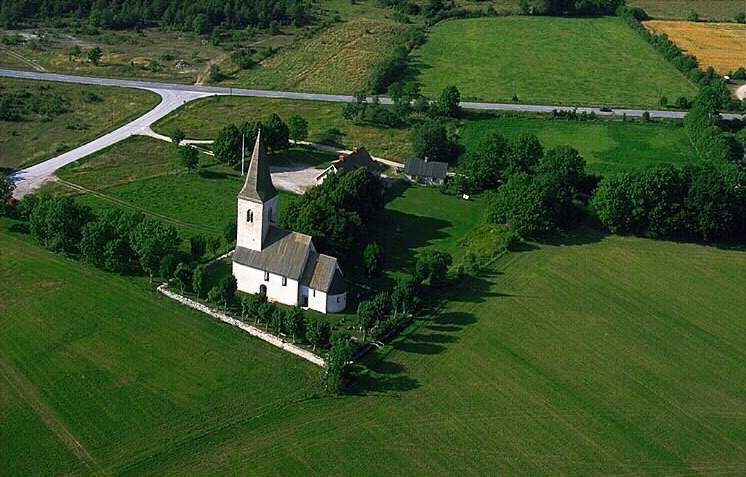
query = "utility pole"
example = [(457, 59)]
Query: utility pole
[(243, 151)]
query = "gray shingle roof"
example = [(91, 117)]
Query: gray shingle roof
[(420, 168), (284, 254), (322, 274), (258, 186)]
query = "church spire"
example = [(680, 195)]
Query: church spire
[(258, 186)]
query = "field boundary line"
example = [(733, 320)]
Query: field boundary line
[(28, 392), (252, 330), (127, 205)]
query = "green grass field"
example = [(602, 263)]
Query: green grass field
[(713, 10), (203, 119), (101, 360), (628, 364), (39, 137), (545, 60), (609, 147)]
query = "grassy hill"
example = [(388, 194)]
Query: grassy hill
[(546, 60)]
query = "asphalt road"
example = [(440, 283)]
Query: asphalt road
[(336, 98), (175, 95)]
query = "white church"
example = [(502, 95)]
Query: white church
[(280, 264)]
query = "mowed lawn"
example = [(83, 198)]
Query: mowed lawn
[(98, 371), (596, 355), (609, 147), (39, 136), (712, 10), (544, 60)]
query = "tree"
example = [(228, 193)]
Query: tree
[(295, 324), (94, 238), (201, 24), (276, 134), (57, 223), (182, 275), (486, 164), (277, 320), (189, 158), (448, 104), (94, 55), (215, 74), (430, 141), (373, 259), (228, 288), (167, 266), (177, 135), (151, 240), (6, 187), (197, 245), (317, 333), (432, 266), (227, 145), (367, 317), (265, 311), (199, 280), (214, 296), (297, 128), (525, 203), (337, 367), (404, 295), (525, 153)]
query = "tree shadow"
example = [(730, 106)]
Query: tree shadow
[(382, 377), (583, 234), (214, 175)]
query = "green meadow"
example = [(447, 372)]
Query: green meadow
[(609, 147), (542, 60), (630, 363)]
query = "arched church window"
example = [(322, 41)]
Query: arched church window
[(249, 216)]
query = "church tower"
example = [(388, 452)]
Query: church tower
[(257, 202)]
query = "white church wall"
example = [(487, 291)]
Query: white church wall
[(317, 300), (250, 280), (336, 303)]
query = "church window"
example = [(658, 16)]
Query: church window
[(249, 216), (284, 281), (314, 293), (337, 299), (266, 276)]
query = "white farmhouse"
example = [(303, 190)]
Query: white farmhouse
[(281, 264)]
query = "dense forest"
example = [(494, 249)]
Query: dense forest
[(198, 15)]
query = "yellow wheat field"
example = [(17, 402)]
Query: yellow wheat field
[(720, 45)]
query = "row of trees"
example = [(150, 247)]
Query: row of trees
[(704, 201), (702, 126), (578, 7), (200, 16), (118, 241)]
